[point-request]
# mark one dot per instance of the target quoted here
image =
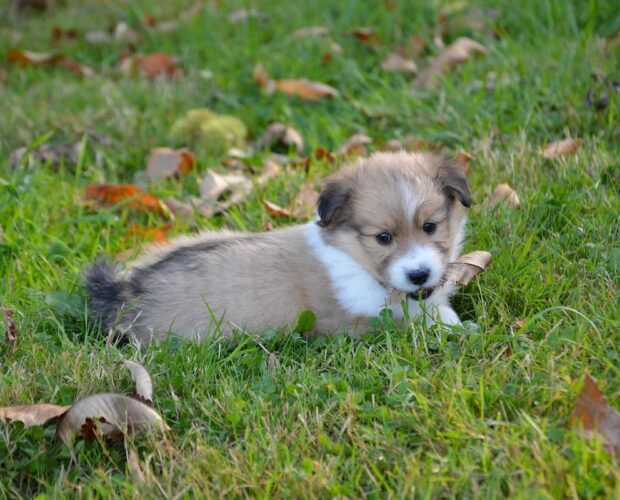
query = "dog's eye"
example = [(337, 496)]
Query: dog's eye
[(429, 227), (384, 238)]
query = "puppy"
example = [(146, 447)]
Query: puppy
[(387, 224)]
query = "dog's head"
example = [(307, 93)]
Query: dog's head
[(399, 215)]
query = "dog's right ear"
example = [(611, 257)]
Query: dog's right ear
[(333, 201)]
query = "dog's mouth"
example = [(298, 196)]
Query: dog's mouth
[(421, 294)]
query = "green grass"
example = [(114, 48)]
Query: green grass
[(400, 413)]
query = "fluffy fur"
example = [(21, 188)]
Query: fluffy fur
[(337, 266)]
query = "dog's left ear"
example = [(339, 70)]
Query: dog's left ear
[(451, 180), (333, 201)]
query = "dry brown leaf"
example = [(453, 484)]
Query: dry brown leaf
[(151, 66), (109, 195), (111, 415), (167, 162), (270, 170), (504, 193), (262, 78), (395, 62), (517, 325), (594, 415), (31, 58), (133, 464), (564, 147), (157, 234), (306, 89), (467, 266), (29, 415), (243, 15), (272, 362), (214, 185), (310, 31), (52, 154), (278, 133), (26, 58), (305, 202), (457, 53), (11, 327), (276, 210), (142, 379), (158, 64), (356, 144), (58, 34), (463, 157), (367, 36)]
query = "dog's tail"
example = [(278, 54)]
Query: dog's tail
[(108, 293)]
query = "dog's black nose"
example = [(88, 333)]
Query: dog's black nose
[(419, 276)]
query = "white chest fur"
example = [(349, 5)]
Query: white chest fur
[(356, 290)]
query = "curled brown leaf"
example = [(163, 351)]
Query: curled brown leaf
[(396, 62), (11, 327), (594, 415), (565, 147), (279, 133), (142, 379), (167, 162), (111, 415), (457, 53), (30, 415), (467, 266), (504, 193)]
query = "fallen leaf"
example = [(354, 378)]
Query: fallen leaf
[(26, 58), (110, 195), (220, 192), (157, 234), (11, 327), (151, 66), (31, 58), (356, 144), (272, 362), (59, 34), (276, 210), (305, 202), (564, 147), (53, 154), (280, 134), (504, 193), (367, 36), (167, 162), (142, 379), (111, 415), (270, 170), (463, 157), (262, 78), (594, 415), (126, 34), (395, 62), (516, 325), (306, 89), (466, 267), (133, 464), (243, 15), (30, 415), (457, 53), (310, 31)]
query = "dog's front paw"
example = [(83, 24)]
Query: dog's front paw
[(446, 315)]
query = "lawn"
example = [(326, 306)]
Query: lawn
[(479, 411)]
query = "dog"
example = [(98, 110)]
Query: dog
[(386, 224)]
